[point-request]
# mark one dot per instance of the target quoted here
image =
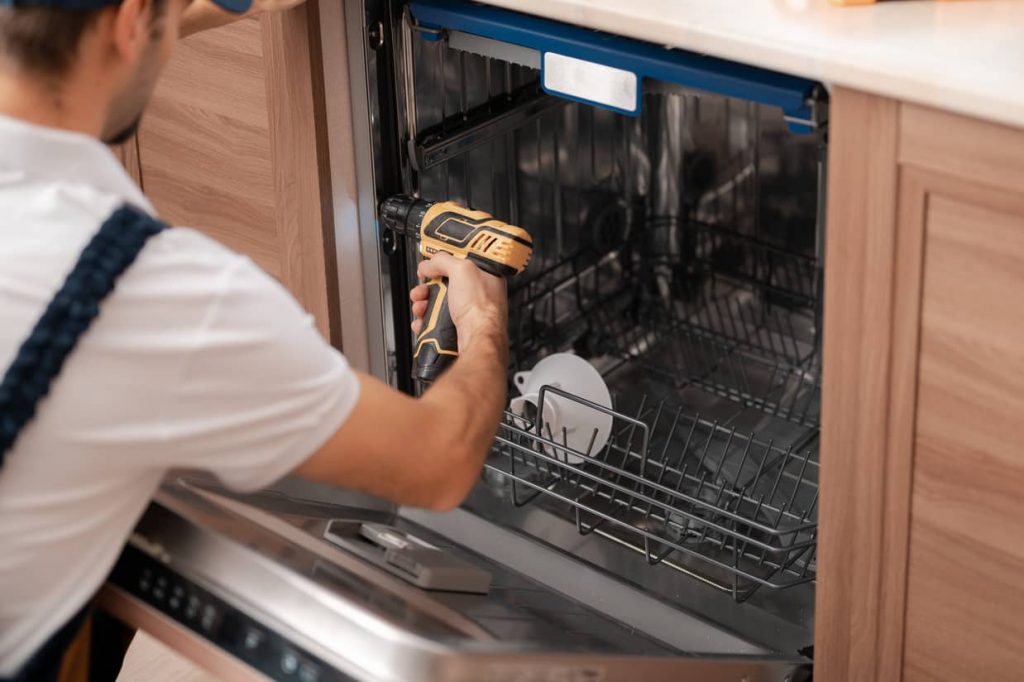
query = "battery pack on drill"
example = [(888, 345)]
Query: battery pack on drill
[(495, 247)]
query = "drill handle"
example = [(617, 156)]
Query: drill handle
[(437, 345)]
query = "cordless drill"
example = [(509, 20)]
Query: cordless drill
[(495, 247)]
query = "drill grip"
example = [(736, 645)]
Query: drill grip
[(437, 345)]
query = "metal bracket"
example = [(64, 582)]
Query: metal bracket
[(492, 119)]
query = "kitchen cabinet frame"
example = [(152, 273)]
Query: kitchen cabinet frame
[(283, 50)]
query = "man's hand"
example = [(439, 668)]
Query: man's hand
[(202, 14), (429, 451), (478, 302)]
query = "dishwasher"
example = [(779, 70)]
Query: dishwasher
[(676, 203)]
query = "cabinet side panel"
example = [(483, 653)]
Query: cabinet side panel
[(860, 248), (205, 143), (291, 77)]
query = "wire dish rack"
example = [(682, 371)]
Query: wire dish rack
[(687, 492), (713, 351), (729, 496), (677, 251)]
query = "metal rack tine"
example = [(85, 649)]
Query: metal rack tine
[(799, 479), (683, 468)]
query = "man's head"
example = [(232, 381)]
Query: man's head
[(94, 62)]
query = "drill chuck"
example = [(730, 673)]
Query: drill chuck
[(404, 214), (495, 247)]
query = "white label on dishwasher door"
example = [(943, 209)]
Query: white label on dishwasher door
[(589, 81)]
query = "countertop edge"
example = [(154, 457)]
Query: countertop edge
[(977, 100)]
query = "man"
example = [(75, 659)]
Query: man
[(197, 358)]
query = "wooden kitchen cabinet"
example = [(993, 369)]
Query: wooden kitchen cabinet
[(921, 545), (233, 144)]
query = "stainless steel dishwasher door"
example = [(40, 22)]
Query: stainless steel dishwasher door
[(261, 565)]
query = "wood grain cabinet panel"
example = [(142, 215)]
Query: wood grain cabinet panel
[(205, 142), (921, 556), (233, 145), (965, 575)]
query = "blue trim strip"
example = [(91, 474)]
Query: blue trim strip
[(647, 60)]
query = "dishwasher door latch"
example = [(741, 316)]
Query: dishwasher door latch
[(408, 557)]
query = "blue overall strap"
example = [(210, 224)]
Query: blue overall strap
[(41, 356)]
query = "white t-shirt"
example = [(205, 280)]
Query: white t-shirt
[(198, 359)]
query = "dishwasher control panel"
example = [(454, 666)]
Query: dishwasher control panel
[(217, 621)]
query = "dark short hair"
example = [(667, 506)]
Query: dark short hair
[(45, 40)]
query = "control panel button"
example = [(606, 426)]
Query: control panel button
[(177, 597), (308, 673), (160, 589), (289, 662), (253, 639), (209, 616), (192, 610)]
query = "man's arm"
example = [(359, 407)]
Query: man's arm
[(425, 452), (428, 452)]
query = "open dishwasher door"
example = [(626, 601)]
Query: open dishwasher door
[(265, 580)]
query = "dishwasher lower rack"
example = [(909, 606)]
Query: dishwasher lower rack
[(737, 511), (713, 350)]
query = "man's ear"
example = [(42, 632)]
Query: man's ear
[(132, 28)]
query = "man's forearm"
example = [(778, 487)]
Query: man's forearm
[(429, 451), (472, 394), (477, 381)]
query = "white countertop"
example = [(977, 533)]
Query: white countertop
[(966, 57)]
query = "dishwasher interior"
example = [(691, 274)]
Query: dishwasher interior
[(679, 251)]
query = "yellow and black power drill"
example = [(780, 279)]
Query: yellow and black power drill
[(495, 247)]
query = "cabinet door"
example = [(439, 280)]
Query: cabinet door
[(230, 146), (965, 560), (921, 565)]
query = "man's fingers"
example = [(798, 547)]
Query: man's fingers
[(440, 264), (419, 293)]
